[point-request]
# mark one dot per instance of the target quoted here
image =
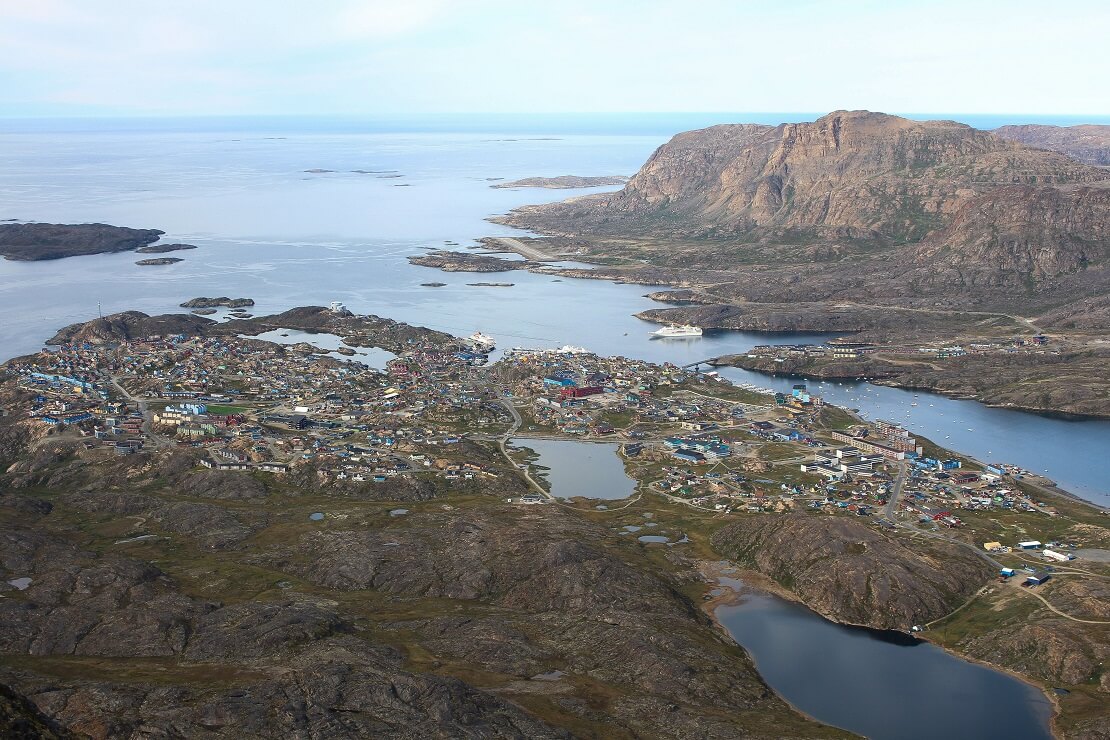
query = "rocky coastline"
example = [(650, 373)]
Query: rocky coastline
[(221, 302), (164, 248), (1066, 384), (159, 261), (41, 241)]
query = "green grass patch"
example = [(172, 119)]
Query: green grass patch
[(223, 410)]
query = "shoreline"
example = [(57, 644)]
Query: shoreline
[(713, 572), (514, 245), (888, 383)]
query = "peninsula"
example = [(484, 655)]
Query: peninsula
[(36, 241), (906, 234)]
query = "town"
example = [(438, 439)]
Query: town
[(436, 409)]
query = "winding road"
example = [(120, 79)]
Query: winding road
[(517, 421)]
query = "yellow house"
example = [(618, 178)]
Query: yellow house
[(992, 546)]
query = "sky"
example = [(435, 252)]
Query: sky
[(406, 57)]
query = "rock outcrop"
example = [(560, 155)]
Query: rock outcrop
[(1088, 143), (853, 573), (129, 325), (221, 302), (37, 241), (564, 182), (849, 175), (236, 615), (163, 248), (1031, 232), (159, 261)]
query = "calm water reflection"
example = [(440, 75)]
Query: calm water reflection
[(883, 685), (589, 469)]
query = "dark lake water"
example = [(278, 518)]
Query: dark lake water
[(589, 469), (886, 686), (268, 230)]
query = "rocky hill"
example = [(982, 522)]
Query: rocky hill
[(1036, 232), (850, 174), (473, 619), (853, 573), (913, 214), (1088, 143), (54, 241), (129, 325)]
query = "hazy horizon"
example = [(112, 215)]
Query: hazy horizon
[(513, 124), (423, 57)]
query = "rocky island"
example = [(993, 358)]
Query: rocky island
[(564, 182), (159, 261), (37, 241), (449, 261), (221, 302), (164, 248)]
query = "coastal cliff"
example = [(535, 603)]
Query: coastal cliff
[(896, 212), (849, 175)]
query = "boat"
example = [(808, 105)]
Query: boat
[(678, 332), (482, 341)]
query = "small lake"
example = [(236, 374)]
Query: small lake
[(374, 357), (883, 685), (589, 469)]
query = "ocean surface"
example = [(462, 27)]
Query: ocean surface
[(270, 230)]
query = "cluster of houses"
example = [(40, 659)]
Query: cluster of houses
[(256, 406)]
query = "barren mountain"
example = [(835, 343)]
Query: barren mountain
[(896, 212), (1088, 143), (850, 174)]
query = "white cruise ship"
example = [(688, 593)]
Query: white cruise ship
[(677, 332), (481, 341)]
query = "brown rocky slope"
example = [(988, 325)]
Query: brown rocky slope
[(1088, 143), (853, 573), (895, 212), (241, 617), (37, 241), (853, 174)]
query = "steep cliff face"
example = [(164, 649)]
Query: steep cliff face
[(853, 573), (848, 175), (1034, 233), (1089, 143)]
